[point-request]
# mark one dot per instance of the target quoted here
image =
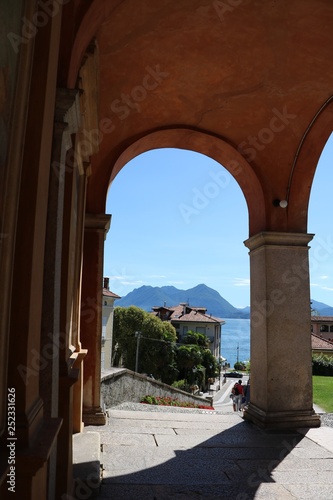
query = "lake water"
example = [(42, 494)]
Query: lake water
[(235, 340)]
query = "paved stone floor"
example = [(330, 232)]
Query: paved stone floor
[(181, 455)]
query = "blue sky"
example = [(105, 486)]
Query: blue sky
[(180, 219)]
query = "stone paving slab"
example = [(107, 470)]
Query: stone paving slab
[(187, 456), (322, 436), (130, 439), (87, 462), (141, 429)]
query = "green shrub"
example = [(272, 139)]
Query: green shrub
[(169, 401), (322, 365), (180, 384), (240, 366), (149, 400)]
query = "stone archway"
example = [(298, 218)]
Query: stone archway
[(275, 313), (256, 77), (261, 109)]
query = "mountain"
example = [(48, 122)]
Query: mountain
[(201, 295), (323, 309)]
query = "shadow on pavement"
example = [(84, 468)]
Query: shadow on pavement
[(235, 464)]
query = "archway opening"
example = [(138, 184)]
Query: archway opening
[(179, 220), (320, 224)]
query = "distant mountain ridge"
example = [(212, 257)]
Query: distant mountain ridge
[(323, 309), (201, 295)]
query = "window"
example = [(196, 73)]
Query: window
[(324, 328), (201, 329)]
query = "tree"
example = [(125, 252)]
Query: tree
[(156, 342), (196, 338), (195, 361), (189, 357)]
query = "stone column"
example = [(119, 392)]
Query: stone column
[(281, 369), (66, 123), (64, 126), (96, 227)]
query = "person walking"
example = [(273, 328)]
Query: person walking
[(237, 395), (239, 392)]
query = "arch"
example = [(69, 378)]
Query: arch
[(215, 148), (305, 164)]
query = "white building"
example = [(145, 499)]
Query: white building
[(107, 325)]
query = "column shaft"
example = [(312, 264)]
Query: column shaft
[(96, 227), (281, 368)]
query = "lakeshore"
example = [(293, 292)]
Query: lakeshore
[(235, 340)]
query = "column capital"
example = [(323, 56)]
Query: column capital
[(98, 222), (272, 238)]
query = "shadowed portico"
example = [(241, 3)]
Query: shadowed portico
[(85, 87)]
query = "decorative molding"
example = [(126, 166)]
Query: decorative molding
[(99, 222), (282, 419), (278, 239)]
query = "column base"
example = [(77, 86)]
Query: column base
[(291, 419), (94, 416)]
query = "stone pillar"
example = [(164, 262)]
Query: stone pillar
[(281, 369), (96, 227), (79, 354), (66, 124)]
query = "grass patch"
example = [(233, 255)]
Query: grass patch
[(323, 392)]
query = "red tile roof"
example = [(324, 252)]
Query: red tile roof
[(320, 343), (321, 319), (108, 293), (192, 314)]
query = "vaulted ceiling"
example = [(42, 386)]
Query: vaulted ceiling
[(258, 76)]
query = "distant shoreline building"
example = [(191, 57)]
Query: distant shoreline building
[(188, 318)]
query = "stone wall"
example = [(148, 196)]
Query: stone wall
[(125, 385)]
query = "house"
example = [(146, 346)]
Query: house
[(321, 346), (322, 326), (187, 318), (107, 325)]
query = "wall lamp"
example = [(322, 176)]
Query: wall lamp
[(280, 203)]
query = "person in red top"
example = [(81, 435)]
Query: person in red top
[(238, 392)]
